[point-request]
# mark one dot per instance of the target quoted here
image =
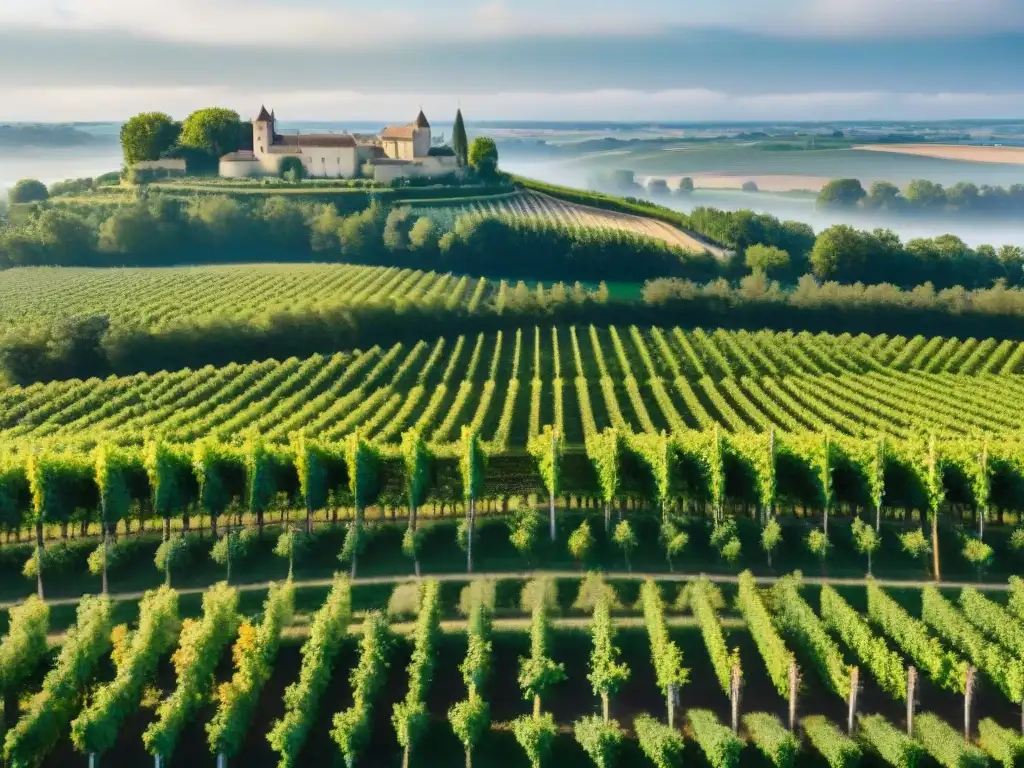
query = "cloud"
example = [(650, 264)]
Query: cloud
[(676, 105), (329, 23)]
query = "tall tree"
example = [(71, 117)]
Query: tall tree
[(460, 142), (213, 130), (147, 135), (483, 156)]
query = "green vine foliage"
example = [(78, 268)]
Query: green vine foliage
[(211, 463), (292, 545), (836, 748), (171, 555), (363, 462), (24, 647), (260, 473), (719, 744), (416, 458), (945, 745), (59, 483), (302, 698), (872, 651), (312, 463), (470, 718), (943, 667), (892, 745), (168, 468), (253, 653), (51, 710), (758, 450), (351, 730), (704, 602), (96, 728), (776, 655), (779, 747), (14, 490), (581, 541), (471, 463), (410, 716), (1004, 669), (538, 673), (535, 734), (799, 622), (655, 453), (599, 738), (546, 449), (665, 653), (603, 450), (607, 673), (199, 651), (662, 745), (1003, 745), (112, 467)]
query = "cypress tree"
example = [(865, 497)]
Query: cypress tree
[(460, 142)]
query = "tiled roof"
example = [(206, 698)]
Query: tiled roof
[(315, 140), (398, 132), (421, 120), (263, 116)]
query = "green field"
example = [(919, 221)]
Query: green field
[(753, 159)]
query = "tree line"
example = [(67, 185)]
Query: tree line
[(160, 230), (86, 346), (924, 197), (838, 252)]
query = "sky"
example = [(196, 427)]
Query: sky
[(683, 60)]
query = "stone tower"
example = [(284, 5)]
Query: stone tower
[(262, 132)]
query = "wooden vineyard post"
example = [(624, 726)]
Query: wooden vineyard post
[(551, 491), (673, 703), (794, 684), (851, 715), (469, 539), (969, 701), (911, 699), (734, 696)]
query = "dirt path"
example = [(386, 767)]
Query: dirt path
[(262, 586)]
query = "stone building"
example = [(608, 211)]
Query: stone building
[(398, 151)]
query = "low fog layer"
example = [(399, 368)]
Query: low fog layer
[(58, 164), (973, 232)]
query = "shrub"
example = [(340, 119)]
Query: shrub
[(28, 191)]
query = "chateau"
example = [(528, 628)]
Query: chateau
[(399, 151)]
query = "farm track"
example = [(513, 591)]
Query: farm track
[(677, 577)]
